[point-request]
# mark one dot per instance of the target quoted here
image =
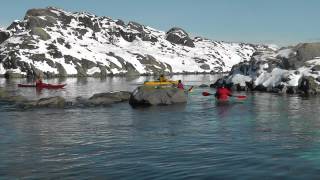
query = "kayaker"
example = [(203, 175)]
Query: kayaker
[(39, 82), (162, 78), (223, 93), (180, 85)]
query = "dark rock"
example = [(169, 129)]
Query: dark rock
[(308, 51), (147, 96), (304, 52), (128, 36), (205, 67), (103, 71), (17, 26), (152, 65), (60, 40), (219, 83), (34, 21), (86, 22), (316, 68), (40, 12), (86, 64), (135, 26), (240, 88), (81, 31), (131, 70), (203, 86), (67, 45), (51, 102), (260, 88), (120, 22), (308, 85), (61, 70), (4, 36), (179, 36), (38, 57), (54, 52), (291, 90), (108, 98)]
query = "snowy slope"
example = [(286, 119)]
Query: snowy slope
[(278, 70), (53, 42)]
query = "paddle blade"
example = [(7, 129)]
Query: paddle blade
[(190, 89), (206, 94), (241, 97)]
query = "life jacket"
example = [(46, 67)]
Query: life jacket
[(180, 86), (162, 79), (39, 82), (223, 93)]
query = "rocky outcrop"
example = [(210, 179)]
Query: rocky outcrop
[(51, 102), (147, 96), (179, 36), (4, 35), (108, 98), (100, 99), (40, 32), (309, 85), (292, 70)]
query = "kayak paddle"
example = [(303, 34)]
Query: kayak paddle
[(209, 94), (190, 89)]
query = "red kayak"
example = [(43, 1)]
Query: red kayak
[(47, 86)]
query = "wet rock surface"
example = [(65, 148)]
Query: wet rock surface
[(147, 96), (99, 99)]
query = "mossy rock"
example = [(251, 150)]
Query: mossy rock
[(41, 33)]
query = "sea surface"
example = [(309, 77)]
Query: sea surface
[(266, 136)]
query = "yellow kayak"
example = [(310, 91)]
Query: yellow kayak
[(158, 83)]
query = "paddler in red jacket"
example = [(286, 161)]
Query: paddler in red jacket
[(223, 93), (39, 82)]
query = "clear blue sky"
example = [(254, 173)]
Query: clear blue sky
[(258, 21)]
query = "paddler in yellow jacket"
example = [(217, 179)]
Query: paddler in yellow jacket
[(162, 78)]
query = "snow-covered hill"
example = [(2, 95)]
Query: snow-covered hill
[(288, 70), (53, 42)]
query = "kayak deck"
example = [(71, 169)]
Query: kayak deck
[(160, 83)]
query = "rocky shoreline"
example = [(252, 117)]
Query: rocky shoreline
[(291, 70), (99, 99), (142, 96)]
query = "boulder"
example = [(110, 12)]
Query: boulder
[(107, 98), (179, 36), (40, 12), (51, 102), (316, 68), (40, 22), (147, 96), (205, 67), (40, 32), (309, 85), (304, 52), (4, 36), (308, 51)]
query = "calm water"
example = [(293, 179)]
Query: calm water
[(267, 136)]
